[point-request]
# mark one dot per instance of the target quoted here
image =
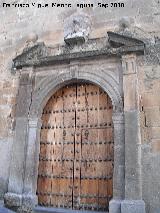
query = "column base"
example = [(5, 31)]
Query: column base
[(133, 206), (115, 206), (20, 202), (29, 202), (12, 200)]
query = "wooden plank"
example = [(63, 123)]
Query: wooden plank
[(95, 150), (44, 185), (66, 185), (54, 118), (93, 104), (79, 120), (89, 192), (61, 192)]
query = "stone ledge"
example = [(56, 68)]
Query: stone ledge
[(65, 58), (41, 55), (40, 209)]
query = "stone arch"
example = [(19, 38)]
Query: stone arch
[(45, 89), (40, 95), (49, 85)]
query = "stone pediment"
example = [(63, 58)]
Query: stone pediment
[(30, 55), (118, 40), (115, 45)]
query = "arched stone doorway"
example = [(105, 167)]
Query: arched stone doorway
[(42, 73), (76, 149), (44, 89)]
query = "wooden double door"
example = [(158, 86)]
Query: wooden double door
[(76, 149)]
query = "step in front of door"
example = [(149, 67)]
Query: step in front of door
[(40, 209), (5, 210)]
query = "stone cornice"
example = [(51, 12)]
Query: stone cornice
[(41, 55)]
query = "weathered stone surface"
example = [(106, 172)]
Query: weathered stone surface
[(152, 72), (5, 210), (15, 184), (20, 203), (41, 55), (108, 78), (5, 150), (141, 17), (155, 133), (40, 209), (152, 116), (28, 203), (132, 165), (3, 124), (133, 206), (156, 146), (151, 99), (3, 187), (129, 88), (115, 206), (76, 29), (119, 159), (12, 200)]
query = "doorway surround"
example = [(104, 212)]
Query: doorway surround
[(109, 64)]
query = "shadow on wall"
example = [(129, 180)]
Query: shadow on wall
[(3, 188), (157, 210)]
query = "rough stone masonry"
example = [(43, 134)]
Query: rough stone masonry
[(22, 28)]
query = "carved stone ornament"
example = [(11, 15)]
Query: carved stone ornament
[(76, 29)]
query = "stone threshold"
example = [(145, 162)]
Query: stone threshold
[(40, 209), (5, 210)]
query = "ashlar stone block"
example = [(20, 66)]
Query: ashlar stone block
[(133, 206)]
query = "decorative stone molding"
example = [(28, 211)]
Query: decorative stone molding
[(33, 122), (23, 178), (40, 95), (76, 29), (129, 64), (118, 118), (103, 79), (30, 54), (41, 55), (133, 187)]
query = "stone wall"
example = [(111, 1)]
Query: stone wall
[(20, 26)]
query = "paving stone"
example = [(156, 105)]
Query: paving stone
[(5, 210)]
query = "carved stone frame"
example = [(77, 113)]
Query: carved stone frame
[(40, 97), (25, 158)]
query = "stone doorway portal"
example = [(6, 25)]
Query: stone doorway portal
[(41, 74), (76, 149)]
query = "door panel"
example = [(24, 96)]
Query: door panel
[(76, 151)]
